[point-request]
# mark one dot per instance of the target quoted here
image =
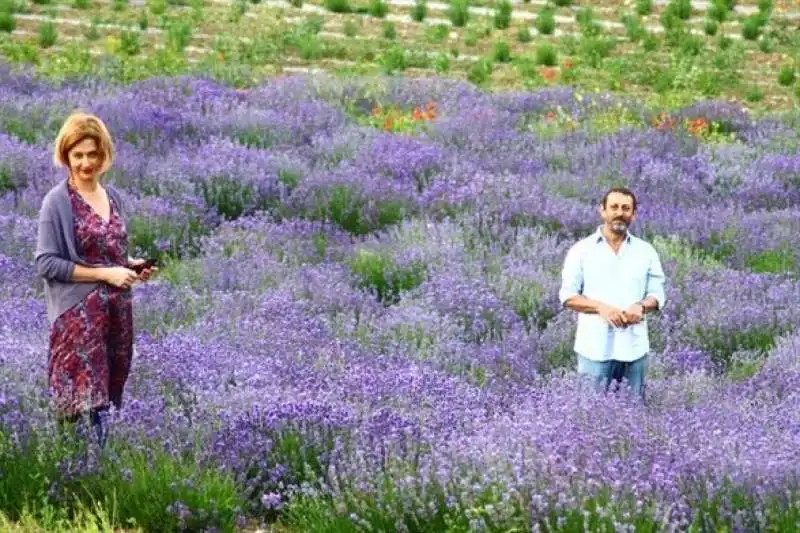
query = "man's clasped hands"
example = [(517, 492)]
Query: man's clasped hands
[(621, 318)]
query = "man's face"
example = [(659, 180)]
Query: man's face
[(618, 212)]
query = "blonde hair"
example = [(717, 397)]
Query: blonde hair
[(79, 126)]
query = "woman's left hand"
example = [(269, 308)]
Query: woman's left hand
[(147, 272)]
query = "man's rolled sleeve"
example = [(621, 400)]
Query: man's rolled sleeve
[(656, 281), (571, 276)]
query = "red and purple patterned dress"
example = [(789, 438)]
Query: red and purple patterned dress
[(91, 344)]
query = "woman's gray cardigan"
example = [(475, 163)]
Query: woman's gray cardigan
[(56, 250)]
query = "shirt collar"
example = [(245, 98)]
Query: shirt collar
[(600, 238)]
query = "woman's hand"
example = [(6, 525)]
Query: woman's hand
[(119, 277), (147, 272)]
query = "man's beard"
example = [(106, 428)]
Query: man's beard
[(619, 226)]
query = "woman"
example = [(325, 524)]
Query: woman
[(82, 254)]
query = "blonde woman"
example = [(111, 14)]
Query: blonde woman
[(82, 254)]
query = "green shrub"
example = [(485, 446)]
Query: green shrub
[(634, 29), (378, 8), (442, 63), (350, 28), (459, 13), (420, 10), (650, 43), (524, 34), (502, 52), (718, 11), (786, 76), (594, 50), (562, 3), (502, 16), (644, 7), (751, 27), (157, 7), (338, 6), (545, 21), (546, 55), (48, 34), (393, 60), (754, 94), (7, 22), (81, 4), (480, 71), (129, 43), (389, 31), (382, 276), (711, 27)]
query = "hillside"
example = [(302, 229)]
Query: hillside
[(673, 52)]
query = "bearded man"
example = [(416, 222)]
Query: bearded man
[(613, 279)]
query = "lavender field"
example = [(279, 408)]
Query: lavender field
[(357, 325)]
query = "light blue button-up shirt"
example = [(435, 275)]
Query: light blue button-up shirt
[(591, 268)]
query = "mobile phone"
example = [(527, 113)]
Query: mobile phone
[(143, 266)]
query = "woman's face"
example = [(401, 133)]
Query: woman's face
[(85, 160)]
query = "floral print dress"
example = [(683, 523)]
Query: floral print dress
[(91, 344)]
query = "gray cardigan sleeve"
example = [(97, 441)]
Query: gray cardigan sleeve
[(49, 258)]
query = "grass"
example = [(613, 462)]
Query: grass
[(495, 50), (130, 487)]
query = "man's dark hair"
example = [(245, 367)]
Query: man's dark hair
[(621, 190)]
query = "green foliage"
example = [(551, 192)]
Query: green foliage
[(48, 34), (378, 8), (130, 486), (634, 29), (389, 31), (773, 261), (459, 13), (129, 43), (163, 237), (378, 273), (595, 49), (419, 11), (751, 27), (545, 21), (718, 11), (157, 7), (786, 76), (7, 22), (502, 16), (178, 35), (546, 55), (347, 209), (502, 52), (710, 28), (480, 71), (644, 7), (338, 6), (524, 34), (81, 4)]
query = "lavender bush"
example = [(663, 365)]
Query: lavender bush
[(357, 329)]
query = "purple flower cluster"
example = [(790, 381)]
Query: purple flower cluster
[(344, 306)]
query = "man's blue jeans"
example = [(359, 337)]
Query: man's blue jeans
[(602, 373)]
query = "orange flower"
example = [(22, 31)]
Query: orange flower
[(698, 126), (549, 73), (567, 64), (551, 115)]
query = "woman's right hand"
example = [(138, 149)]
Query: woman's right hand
[(120, 277)]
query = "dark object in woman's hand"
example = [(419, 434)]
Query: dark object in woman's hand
[(141, 267)]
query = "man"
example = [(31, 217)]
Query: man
[(613, 280)]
